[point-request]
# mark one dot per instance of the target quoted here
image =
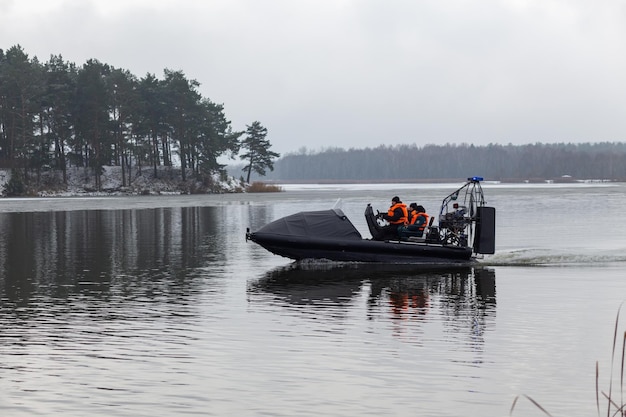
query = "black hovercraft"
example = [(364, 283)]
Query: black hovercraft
[(466, 228)]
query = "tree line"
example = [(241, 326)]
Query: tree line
[(55, 115), (605, 160)]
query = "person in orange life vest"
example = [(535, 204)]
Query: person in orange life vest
[(418, 220), (397, 216)]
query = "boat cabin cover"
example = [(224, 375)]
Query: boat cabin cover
[(327, 224)]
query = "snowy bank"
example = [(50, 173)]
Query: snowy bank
[(82, 181)]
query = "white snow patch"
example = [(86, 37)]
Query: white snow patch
[(5, 174)]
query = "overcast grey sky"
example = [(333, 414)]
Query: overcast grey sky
[(360, 73)]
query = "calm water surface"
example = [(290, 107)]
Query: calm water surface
[(156, 306)]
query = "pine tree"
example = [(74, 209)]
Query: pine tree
[(258, 153)]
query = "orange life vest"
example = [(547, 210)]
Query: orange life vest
[(416, 215), (405, 214)]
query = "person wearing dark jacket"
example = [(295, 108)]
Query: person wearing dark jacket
[(396, 216), (418, 220)]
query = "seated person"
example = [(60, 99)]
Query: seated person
[(397, 216), (418, 220)]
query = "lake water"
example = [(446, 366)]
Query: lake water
[(157, 306)]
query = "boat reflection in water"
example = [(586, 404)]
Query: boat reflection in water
[(462, 298)]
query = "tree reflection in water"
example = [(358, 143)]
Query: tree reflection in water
[(102, 252)]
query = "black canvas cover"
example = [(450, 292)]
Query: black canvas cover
[(319, 224)]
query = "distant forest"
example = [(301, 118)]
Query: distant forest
[(533, 162)]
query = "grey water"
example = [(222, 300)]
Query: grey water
[(157, 306)]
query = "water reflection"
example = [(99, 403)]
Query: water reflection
[(462, 298), (103, 251)]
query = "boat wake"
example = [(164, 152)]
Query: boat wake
[(551, 257)]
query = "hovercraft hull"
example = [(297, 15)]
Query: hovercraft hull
[(363, 250)]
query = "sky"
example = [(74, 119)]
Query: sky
[(322, 74)]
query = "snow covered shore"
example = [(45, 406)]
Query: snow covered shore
[(81, 181)]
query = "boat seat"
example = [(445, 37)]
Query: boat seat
[(430, 224), (409, 234)]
